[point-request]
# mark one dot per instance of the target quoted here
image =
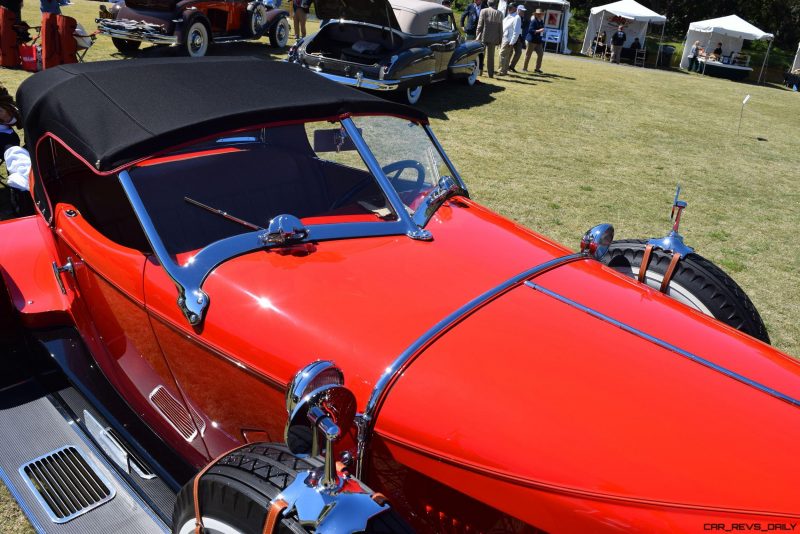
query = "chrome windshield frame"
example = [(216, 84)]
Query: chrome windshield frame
[(189, 278)]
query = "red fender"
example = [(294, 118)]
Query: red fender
[(26, 265)]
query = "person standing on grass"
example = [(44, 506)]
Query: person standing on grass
[(617, 41), (511, 30), (469, 19), (694, 53), (519, 46), (535, 38), (490, 33), (300, 9)]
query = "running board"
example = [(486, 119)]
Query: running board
[(62, 482)]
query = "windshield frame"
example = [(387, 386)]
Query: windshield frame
[(189, 277)]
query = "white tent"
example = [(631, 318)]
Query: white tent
[(731, 31), (631, 14), (796, 64)]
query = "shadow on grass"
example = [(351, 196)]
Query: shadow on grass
[(440, 98)]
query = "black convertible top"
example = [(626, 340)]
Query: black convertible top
[(114, 112)]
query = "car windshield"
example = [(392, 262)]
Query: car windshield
[(310, 170), (406, 154)]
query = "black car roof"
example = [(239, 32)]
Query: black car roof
[(113, 112)]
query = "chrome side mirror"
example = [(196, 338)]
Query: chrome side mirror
[(596, 240), (319, 405)]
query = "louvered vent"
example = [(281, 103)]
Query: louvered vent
[(173, 411), (66, 484)]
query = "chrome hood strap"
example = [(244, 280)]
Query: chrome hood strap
[(366, 420), (665, 345)]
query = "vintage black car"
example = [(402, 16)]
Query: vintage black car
[(193, 25), (388, 45)]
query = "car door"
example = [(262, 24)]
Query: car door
[(102, 255), (444, 37)]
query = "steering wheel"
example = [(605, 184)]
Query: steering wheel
[(394, 170)]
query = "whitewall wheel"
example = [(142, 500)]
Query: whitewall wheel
[(473, 75), (413, 94), (197, 39)]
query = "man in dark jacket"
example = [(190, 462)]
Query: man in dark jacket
[(617, 42), (469, 19), (535, 39)]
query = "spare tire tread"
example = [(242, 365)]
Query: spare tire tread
[(710, 284)]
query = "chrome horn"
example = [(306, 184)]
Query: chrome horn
[(320, 406), (596, 240)]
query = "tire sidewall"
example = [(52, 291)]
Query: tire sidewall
[(196, 28), (279, 36), (259, 13)]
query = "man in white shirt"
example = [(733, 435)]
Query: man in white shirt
[(512, 28)]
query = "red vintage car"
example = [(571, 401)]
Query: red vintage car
[(279, 310), (192, 26)]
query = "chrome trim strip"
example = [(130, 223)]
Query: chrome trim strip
[(462, 65), (401, 363), (364, 83), (419, 74), (139, 36), (666, 345)]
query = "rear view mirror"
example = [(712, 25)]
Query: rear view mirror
[(333, 140)]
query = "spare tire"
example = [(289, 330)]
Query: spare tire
[(697, 282), (236, 492)]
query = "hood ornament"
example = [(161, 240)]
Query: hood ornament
[(673, 242)]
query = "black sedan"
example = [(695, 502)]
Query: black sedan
[(388, 45)]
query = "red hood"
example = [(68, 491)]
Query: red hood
[(538, 393), (528, 388), (361, 302)]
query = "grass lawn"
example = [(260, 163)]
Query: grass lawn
[(590, 142)]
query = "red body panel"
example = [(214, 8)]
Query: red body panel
[(538, 409), (110, 314), (584, 409), (26, 263)]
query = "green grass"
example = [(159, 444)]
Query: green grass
[(591, 142)]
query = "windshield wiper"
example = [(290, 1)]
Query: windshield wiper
[(222, 213)]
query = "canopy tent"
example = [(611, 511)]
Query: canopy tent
[(731, 31), (629, 13), (796, 64)]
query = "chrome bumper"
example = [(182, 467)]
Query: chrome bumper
[(144, 36), (360, 81)]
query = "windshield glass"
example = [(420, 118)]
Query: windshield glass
[(407, 155), (311, 170)]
